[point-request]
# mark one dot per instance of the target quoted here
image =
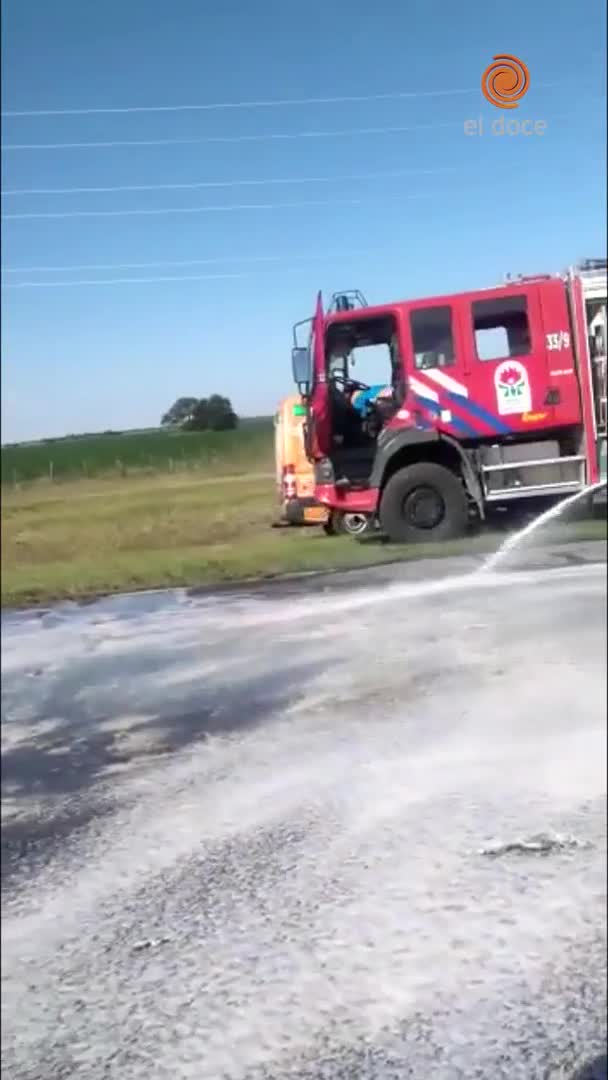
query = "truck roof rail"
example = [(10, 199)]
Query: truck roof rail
[(593, 264), (516, 279), (347, 300)]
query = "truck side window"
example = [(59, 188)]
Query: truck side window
[(432, 337), (501, 328)]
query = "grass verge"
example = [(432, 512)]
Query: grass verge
[(84, 538)]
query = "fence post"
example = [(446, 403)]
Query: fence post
[(51, 471)]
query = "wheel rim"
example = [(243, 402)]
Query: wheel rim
[(354, 523), (423, 508)]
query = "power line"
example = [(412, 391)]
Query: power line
[(162, 211), (394, 129), (88, 282), (264, 137), (181, 262), (398, 95), (227, 183), (118, 281), (211, 106)]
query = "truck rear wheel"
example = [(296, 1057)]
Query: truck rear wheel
[(422, 502)]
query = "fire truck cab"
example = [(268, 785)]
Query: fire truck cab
[(489, 396)]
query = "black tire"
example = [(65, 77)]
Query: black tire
[(423, 502)]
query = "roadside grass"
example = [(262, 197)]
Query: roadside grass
[(82, 538)]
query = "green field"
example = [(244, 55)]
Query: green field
[(156, 450)]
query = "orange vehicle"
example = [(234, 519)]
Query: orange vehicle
[(294, 472), (295, 477)]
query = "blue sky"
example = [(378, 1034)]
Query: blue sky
[(442, 211)]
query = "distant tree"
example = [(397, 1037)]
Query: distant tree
[(221, 414), (199, 416), (212, 414), (180, 411)]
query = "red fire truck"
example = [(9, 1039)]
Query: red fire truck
[(491, 396)]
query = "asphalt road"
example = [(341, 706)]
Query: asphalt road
[(242, 832)]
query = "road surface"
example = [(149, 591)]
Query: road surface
[(243, 831)]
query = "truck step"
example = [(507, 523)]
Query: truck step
[(538, 490), (533, 477)]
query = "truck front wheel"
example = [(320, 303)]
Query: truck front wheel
[(422, 502)]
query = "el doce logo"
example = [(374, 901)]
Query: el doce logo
[(504, 83)]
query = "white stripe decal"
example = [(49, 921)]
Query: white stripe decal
[(448, 383), (423, 390)]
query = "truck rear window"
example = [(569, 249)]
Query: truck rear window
[(501, 328)]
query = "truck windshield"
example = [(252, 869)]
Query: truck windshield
[(363, 350)]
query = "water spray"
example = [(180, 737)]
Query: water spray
[(516, 539)]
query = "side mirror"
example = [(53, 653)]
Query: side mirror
[(300, 366)]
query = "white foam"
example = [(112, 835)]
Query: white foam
[(316, 873)]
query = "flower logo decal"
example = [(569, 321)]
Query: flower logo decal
[(512, 386)]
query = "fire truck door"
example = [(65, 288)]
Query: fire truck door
[(508, 378), (320, 419)]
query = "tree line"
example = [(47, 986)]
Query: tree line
[(214, 413)]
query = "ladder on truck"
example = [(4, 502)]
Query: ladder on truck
[(593, 275)]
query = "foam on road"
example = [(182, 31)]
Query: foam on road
[(244, 832)]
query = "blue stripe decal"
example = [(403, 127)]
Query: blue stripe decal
[(461, 425), (427, 403), (455, 422), (481, 413)]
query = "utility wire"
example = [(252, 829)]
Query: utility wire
[(395, 129), (88, 282), (399, 95), (162, 211), (227, 183), (264, 137), (180, 262)]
